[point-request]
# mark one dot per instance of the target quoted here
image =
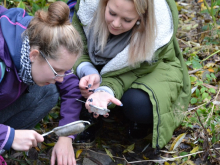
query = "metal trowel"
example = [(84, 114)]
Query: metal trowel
[(69, 129)]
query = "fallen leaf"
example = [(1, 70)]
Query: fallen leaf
[(211, 70), (109, 154), (188, 162), (37, 149), (50, 144), (195, 149), (145, 158), (177, 141), (78, 152), (131, 147)]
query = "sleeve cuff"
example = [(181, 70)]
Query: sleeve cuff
[(106, 89), (10, 140), (86, 68), (72, 136)]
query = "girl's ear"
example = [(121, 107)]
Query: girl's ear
[(34, 53)]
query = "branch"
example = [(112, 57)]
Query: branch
[(196, 107), (167, 159), (193, 71), (206, 145), (210, 114), (210, 55)]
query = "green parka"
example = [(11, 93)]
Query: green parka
[(166, 81)]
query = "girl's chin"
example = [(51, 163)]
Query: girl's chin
[(114, 31)]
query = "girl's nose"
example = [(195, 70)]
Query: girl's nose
[(59, 79), (117, 23)]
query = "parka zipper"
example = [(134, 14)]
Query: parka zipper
[(8, 69), (157, 145)]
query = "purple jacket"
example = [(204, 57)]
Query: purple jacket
[(13, 23)]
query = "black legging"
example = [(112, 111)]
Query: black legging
[(137, 106)]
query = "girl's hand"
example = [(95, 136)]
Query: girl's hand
[(26, 139), (63, 152), (101, 99), (88, 83)]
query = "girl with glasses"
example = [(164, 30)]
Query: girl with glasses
[(36, 56)]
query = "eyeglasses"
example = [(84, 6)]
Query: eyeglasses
[(56, 75)]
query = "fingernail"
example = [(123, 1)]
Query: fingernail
[(89, 85), (92, 90), (121, 105)]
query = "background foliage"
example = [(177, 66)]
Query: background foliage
[(196, 141)]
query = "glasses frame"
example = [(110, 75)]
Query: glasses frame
[(56, 75)]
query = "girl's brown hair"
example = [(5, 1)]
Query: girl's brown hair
[(48, 30)]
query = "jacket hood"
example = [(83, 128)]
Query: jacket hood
[(13, 23)]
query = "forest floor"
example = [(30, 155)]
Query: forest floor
[(195, 141)]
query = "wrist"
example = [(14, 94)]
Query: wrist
[(66, 138), (99, 90)]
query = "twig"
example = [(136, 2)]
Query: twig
[(141, 161), (195, 34), (104, 154), (191, 109), (209, 86), (167, 159), (197, 107), (210, 114), (193, 71), (161, 160), (210, 55), (169, 152), (94, 160), (206, 145), (189, 43), (216, 151)]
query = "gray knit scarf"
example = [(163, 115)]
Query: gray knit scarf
[(25, 63), (115, 44)]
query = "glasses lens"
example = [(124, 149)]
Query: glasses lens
[(58, 76)]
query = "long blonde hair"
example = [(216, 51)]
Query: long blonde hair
[(49, 30), (143, 36)]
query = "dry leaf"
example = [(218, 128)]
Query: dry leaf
[(195, 149), (145, 158), (177, 141), (78, 152), (109, 154)]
